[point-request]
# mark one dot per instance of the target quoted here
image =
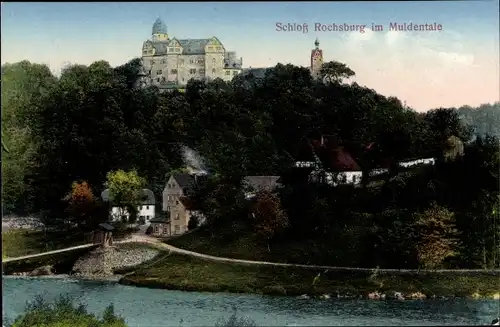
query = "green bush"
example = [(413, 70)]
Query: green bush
[(63, 313)]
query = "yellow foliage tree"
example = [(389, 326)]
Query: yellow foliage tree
[(125, 189), (437, 236)]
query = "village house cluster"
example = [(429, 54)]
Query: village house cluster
[(322, 160)]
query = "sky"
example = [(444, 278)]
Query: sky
[(456, 65)]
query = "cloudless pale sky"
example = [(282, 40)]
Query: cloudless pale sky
[(456, 66)]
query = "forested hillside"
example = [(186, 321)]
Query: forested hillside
[(484, 119), (91, 120)]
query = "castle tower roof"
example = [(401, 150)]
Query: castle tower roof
[(159, 27)]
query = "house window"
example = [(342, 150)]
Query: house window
[(213, 70), (158, 72), (156, 228), (191, 61), (176, 201), (177, 229), (173, 71), (171, 49), (158, 80), (202, 71), (235, 72), (192, 71), (147, 217), (177, 217), (228, 72), (219, 48), (213, 60), (147, 207)]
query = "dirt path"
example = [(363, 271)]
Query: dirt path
[(171, 248), (128, 240), (140, 238)]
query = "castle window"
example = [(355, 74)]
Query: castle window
[(201, 71), (213, 60), (235, 72), (219, 48), (158, 80), (213, 70), (228, 72), (158, 72), (192, 71), (173, 71), (191, 61)]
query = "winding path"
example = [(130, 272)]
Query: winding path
[(151, 240)]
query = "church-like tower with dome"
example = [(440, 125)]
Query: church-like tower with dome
[(170, 63)]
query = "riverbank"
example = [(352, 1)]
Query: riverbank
[(156, 307), (187, 273)]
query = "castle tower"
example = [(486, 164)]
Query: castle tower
[(159, 31), (316, 59)]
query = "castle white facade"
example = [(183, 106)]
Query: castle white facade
[(169, 63)]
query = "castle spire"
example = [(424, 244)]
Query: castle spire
[(316, 43)]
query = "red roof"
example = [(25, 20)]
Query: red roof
[(334, 157)]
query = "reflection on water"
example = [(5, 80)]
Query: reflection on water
[(149, 307)]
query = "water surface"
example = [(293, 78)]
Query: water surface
[(152, 307)]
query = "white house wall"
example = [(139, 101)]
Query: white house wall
[(354, 177), (148, 211)]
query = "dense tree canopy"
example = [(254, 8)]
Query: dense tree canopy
[(92, 120)]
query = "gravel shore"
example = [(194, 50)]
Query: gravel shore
[(14, 222), (101, 262)]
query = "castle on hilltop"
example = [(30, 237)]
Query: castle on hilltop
[(169, 63)]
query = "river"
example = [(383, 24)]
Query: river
[(152, 307)]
